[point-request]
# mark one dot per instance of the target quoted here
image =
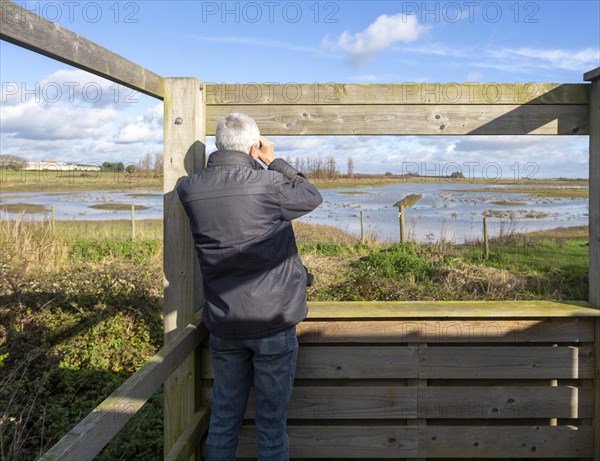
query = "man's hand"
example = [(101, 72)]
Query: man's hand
[(266, 154)]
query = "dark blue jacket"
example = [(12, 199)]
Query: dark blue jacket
[(240, 213)]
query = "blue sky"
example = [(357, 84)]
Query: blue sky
[(52, 111)]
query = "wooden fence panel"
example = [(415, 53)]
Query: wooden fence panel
[(435, 388), (506, 362), (446, 331), (410, 119)]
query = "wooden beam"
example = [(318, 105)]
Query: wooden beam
[(411, 119), (594, 181), (28, 30), (92, 434), (184, 149), (395, 94), (505, 442), (332, 310), (191, 438), (596, 383), (594, 241), (563, 330), (591, 75)]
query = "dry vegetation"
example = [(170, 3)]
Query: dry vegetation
[(80, 308)]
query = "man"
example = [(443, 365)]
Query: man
[(254, 281)]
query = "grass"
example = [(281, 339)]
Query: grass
[(23, 208), (80, 308), (549, 192), (52, 180), (508, 203)]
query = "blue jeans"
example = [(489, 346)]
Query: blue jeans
[(268, 363)]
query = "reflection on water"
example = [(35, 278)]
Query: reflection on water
[(446, 211)]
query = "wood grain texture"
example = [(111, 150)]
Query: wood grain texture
[(341, 442), (446, 331), (505, 442), (411, 119), (332, 310), (191, 438), (88, 438), (504, 402), (184, 154), (347, 362), (390, 94), (28, 30), (461, 442), (506, 362), (594, 195), (596, 383)]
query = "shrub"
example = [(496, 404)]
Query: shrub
[(395, 261)]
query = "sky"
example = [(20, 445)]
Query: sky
[(52, 111)]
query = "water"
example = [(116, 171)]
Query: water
[(446, 211)]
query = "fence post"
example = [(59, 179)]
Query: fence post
[(132, 223), (53, 223), (593, 76), (184, 149), (486, 243), (362, 228), (402, 225)]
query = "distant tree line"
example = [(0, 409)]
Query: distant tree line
[(12, 162)]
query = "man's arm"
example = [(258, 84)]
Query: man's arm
[(297, 195)]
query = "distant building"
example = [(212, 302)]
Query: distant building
[(55, 165)]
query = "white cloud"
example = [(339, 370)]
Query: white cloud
[(145, 128), (544, 156), (55, 121), (253, 42), (379, 35), (528, 58)]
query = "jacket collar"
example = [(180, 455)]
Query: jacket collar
[(233, 157)]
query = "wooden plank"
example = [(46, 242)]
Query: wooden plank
[(191, 438), (591, 75), (505, 442), (340, 442), (346, 362), (594, 233), (88, 438), (596, 421), (506, 362), (505, 402), (348, 402), (411, 119), (446, 331), (403, 93), (28, 30), (433, 402), (594, 195), (184, 154), (330, 310), (421, 384)]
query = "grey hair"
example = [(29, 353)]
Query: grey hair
[(236, 131)]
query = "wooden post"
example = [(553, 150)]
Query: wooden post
[(594, 205), (486, 243), (132, 222), (362, 228), (184, 150), (596, 420), (594, 248), (53, 223), (402, 228)]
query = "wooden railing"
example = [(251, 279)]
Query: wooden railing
[(405, 380), (192, 109), (98, 428)]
